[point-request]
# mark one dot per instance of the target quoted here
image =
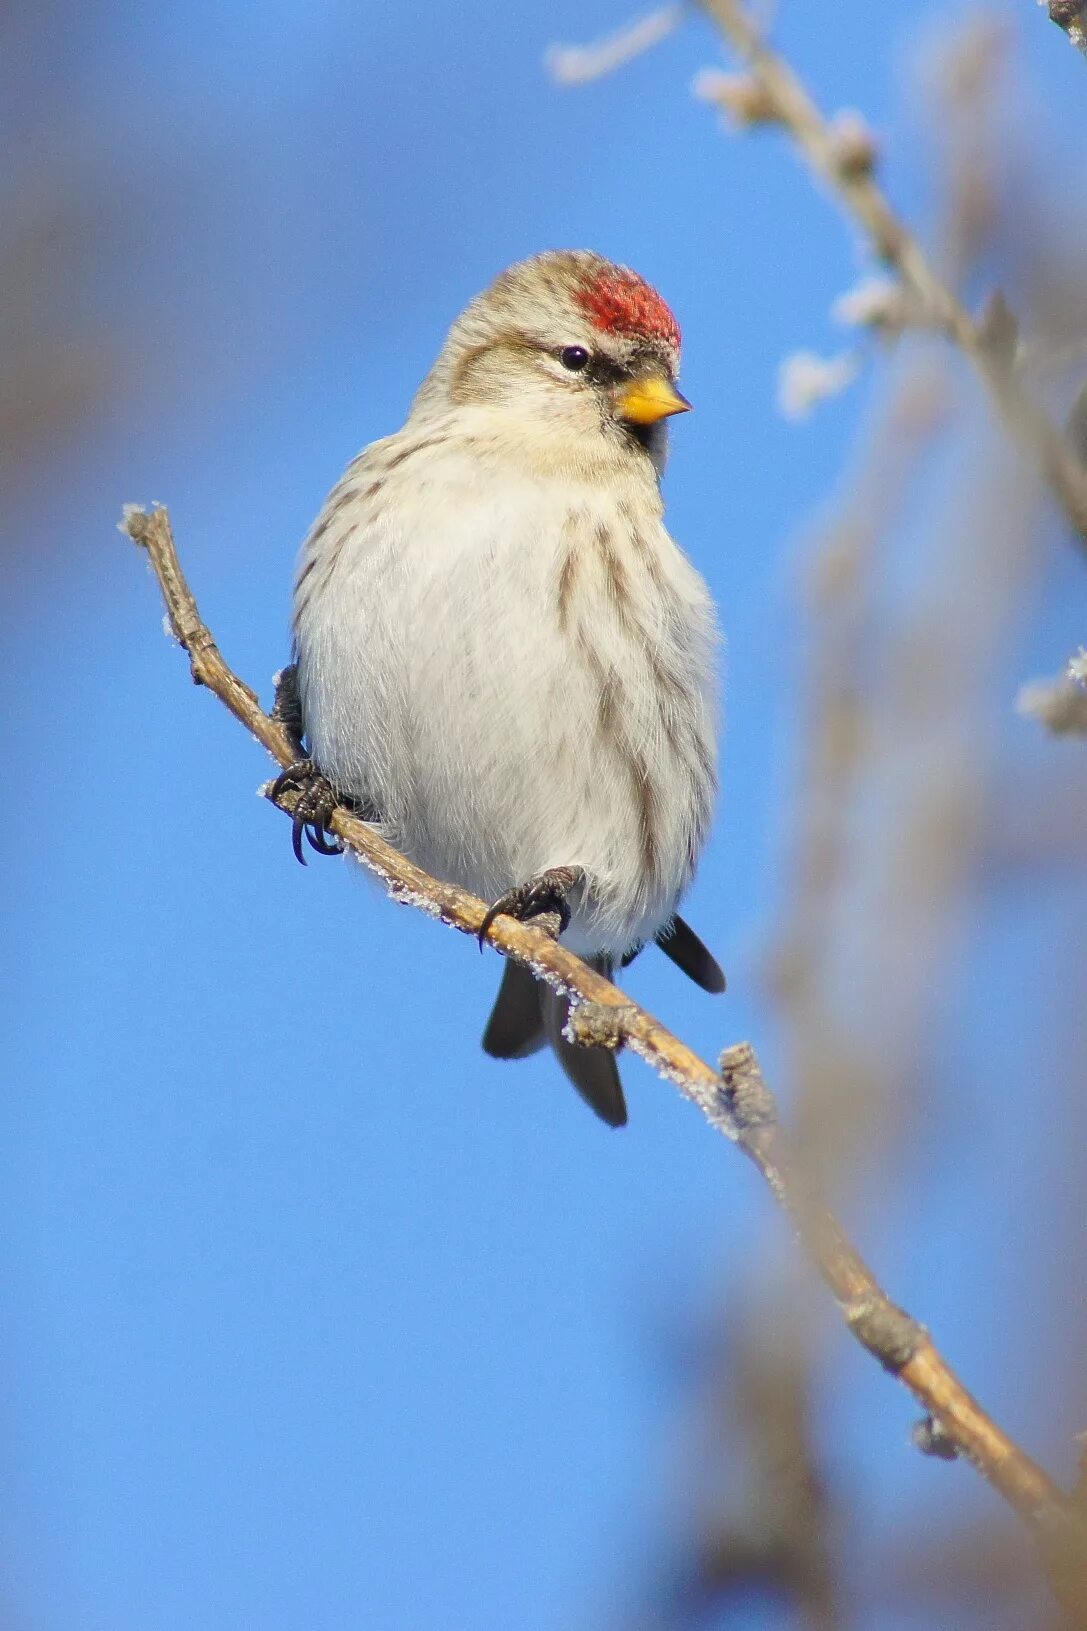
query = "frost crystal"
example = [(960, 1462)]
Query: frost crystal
[(403, 895)]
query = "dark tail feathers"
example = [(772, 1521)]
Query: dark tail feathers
[(528, 1015)]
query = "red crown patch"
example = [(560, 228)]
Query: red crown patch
[(624, 303)]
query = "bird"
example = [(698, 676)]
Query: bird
[(501, 656)]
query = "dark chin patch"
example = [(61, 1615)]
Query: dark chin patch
[(646, 436)]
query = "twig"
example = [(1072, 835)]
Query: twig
[(735, 1099), (578, 64), (833, 154)]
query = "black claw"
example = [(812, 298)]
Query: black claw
[(489, 917), (298, 827), (321, 841), (547, 893)]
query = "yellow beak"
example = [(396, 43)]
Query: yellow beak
[(648, 399)]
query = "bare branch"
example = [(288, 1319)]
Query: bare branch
[(783, 99), (735, 1100)]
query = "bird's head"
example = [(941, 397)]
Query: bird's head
[(568, 351)]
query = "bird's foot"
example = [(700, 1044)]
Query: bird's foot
[(548, 894), (317, 798)]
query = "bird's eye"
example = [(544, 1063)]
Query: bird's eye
[(574, 357)]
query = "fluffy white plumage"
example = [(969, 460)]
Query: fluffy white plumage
[(499, 646)]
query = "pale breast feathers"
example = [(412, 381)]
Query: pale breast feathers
[(517, 675)]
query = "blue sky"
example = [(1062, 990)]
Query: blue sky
[(314, 1316)]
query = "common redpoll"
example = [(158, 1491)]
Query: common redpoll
[(502, 656)]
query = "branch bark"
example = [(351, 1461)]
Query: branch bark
[(734, 1099), (1071, 15), (846, 166)]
